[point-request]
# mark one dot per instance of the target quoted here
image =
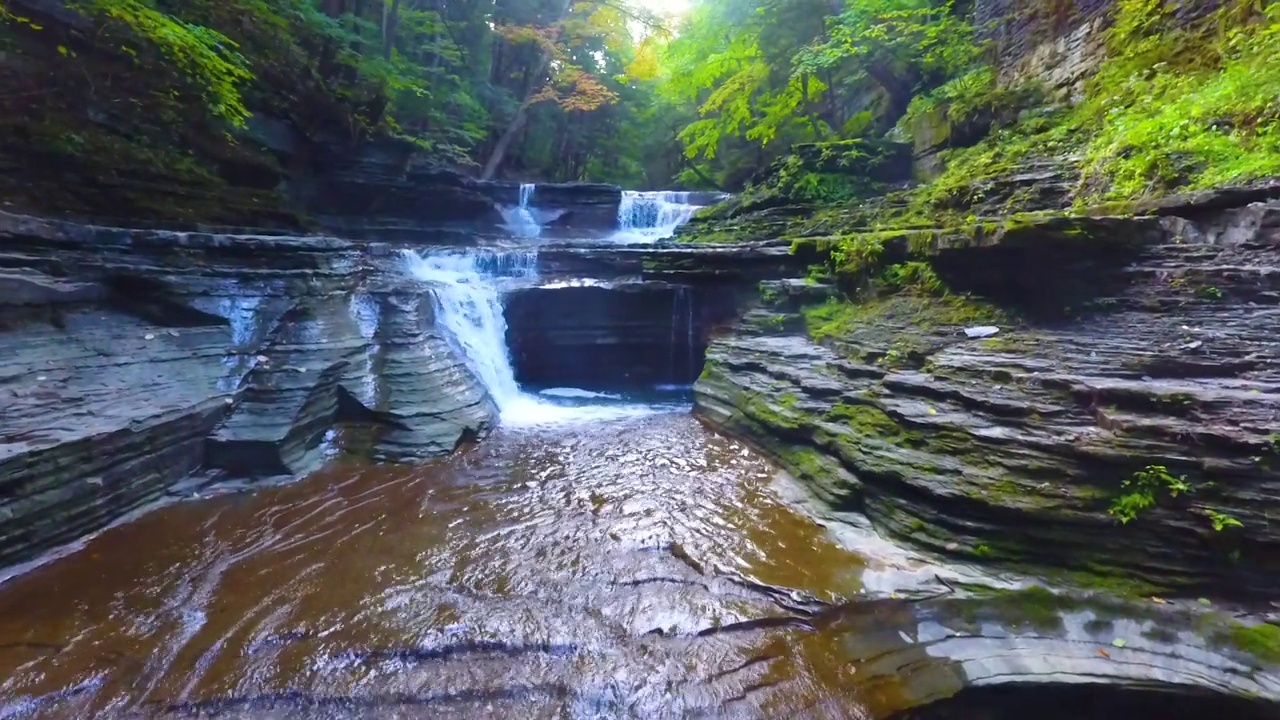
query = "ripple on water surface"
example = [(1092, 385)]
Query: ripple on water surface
[(560, 571)]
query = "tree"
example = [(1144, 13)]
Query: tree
[(898, 44)]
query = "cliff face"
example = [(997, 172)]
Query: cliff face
[(988, 367), (1057, 42), (133, 359), (1127, 349)]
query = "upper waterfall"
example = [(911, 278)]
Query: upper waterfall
[(652, 216), (520, 219)]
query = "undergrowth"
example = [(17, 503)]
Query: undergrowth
[(1170, 109)]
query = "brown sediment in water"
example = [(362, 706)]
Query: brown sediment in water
[(575, 571)]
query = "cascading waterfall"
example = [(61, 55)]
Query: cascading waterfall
[(469, 304), (652, 216), (468, 288), (521, 220)]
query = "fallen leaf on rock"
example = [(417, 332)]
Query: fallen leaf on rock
[(1104, 653), (1159, 601), (1205, 601), (149, 336), (1119, 642)]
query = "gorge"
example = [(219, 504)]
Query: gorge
[(354, 363)]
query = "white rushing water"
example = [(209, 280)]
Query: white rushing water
[(468, 289), (523, 220), (652, 216)]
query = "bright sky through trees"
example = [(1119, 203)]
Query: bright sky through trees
[(664, 6)]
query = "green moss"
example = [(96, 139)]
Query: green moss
[(1261, 641), (1036, 606), (1114, 581), (840, 318), (868, 421), (803, 461), (833, 319), (778, 417)]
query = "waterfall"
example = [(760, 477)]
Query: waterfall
[(469, 306), (652, 216), (521, 220), (468, 290)]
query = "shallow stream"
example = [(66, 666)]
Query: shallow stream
[(561, 571)]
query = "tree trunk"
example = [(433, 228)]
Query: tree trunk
[(810, 110), (899, 90), (702, 176), (504, 143), (390, 25)]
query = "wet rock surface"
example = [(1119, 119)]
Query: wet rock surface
[(1145, 345), (613, 336), (738, 264), (133, 359)]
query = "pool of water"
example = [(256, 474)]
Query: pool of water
[(578, 570)]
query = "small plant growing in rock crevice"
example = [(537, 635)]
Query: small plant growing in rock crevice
[(1143, 488), (1143, 491), (1222, 521)]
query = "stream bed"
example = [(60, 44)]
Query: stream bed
[(559, 571)]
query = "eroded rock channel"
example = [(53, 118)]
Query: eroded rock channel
[(501, 504)]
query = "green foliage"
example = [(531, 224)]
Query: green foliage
[(1143, 489), (1182, 108), (207, 57), (719, 64), (1171, 108), (1222, 521), (1148, 486), (915, 276), (895, 42)]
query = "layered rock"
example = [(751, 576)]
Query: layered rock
[(135, 358), (736, 264), (1035, 653), (1128, 348), (582, 207), (382, 191)]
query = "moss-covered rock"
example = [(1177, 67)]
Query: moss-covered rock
[(1013, 449)]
